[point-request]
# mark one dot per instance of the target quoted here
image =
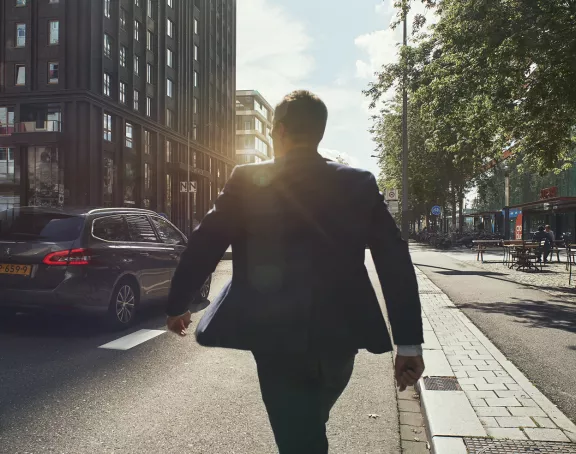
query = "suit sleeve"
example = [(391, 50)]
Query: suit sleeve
[(206, 246), (395, 272)]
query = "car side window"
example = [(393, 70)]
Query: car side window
[(110, 228), (168, 234), (140, 229)]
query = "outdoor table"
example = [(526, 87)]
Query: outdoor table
[(482, 245), (524, 258)]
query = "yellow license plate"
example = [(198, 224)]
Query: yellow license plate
[(22, 270)]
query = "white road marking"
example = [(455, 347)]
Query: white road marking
[(131, 340)]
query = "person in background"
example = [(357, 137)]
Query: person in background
[(552, 236), (541, 237), (550, 232), (300, 298)]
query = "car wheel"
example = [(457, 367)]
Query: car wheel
[(205, 290), (123, 305)]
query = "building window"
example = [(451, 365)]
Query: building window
[(54, 1), (123, 52), (196, 79), (149, 70), (169, 28), (169, 58), (195, 52), (137, 30), (195, 104), (106, 84), (122, 18), (20, 75), (136, 96), (194, 132), (129, 135), (169, 118), (53, 72), (20, 35), (196, 26), (149, 39), (169, 88), (147, 176), (169, 3), (168, 151), (149, 106), (147, 142), (194, 160), (122, 92), (107, 46), (169, 195), (108, 127), (136, 65), (54, 32), (137, 2), (20, 2), (107, 8)]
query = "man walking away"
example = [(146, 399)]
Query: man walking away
[(300, 297)]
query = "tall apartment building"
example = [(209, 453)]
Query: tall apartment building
[(100, 98), (253, 127)]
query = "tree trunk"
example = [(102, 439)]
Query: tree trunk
[(454, 221), (461, 208)]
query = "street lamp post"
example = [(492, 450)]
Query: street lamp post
[(405, 209), (506, 202)]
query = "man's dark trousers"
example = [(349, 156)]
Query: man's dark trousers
[(299, 391)]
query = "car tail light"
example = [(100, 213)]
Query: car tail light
[(68, 257)]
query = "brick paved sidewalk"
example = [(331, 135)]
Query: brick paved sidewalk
[(494, 398)]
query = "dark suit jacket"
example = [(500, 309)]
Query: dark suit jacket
[(299, 227)]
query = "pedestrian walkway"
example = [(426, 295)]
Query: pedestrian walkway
[(474, 399)]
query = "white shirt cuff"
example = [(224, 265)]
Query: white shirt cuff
[(409, 350)]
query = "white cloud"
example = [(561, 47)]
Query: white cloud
[(334, 154), (273, 54), (381, 47)]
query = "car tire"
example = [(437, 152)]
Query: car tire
[(123, 305)]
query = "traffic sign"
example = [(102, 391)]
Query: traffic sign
[(393, 207), (436, 210), (391, 194), (192, 185)]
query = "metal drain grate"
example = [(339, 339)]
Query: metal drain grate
[(441, 384), (488, 446)]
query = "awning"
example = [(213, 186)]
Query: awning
[(546, 205)]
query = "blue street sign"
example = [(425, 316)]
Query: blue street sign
[(436, 210)]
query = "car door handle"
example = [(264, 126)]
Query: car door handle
[(145, 254)]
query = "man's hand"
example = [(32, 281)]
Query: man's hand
[(180, 323), (408, 370)]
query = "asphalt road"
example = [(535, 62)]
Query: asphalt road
[(536, 331), (60, 393)]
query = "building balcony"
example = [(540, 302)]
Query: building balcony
[(38, 126)]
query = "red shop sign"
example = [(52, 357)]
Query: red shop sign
[(549, 193)]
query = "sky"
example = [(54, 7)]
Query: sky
[(330, 48)]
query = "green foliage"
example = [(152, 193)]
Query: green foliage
[(489, 74)]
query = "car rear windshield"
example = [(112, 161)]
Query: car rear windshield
[(40, 226)]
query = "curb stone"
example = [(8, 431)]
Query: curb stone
[(493, 391)]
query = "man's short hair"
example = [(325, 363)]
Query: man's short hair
[(303, 114), (547, 226)]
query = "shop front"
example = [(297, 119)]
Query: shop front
[(31, 176), (558, 212)]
